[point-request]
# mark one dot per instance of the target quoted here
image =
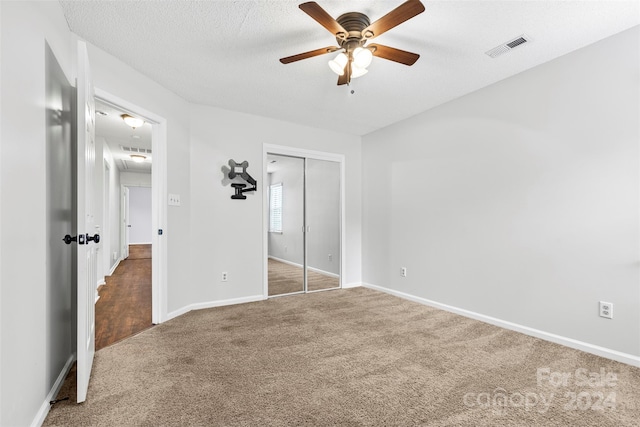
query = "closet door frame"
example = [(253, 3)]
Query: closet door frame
[(305, 154)]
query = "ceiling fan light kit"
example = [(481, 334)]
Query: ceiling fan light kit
[(338, 63), (362, 57), (352, 30), (358, 71)]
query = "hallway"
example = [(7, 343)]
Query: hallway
[(124, 307)]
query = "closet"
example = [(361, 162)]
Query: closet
[(303, 226)]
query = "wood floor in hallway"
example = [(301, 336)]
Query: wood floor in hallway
[(124, 307)]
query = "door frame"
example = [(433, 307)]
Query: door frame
[(124, 221), (159, 243), (106, 226), (306, 154)]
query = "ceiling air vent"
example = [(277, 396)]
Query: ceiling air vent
[(136, 150), (508, 46)]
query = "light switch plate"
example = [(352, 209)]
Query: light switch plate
[(174, 199)]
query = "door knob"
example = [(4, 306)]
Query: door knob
[(68, 239), (95, 238)]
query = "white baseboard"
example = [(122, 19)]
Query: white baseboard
[(608, 353), (46, 405), (351, 285), (113, 269), (317, 270), (285, 261), (324, 273), (211, 304)]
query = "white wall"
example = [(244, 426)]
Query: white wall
[(135, 179), (227, 234), (28, 367), (519, 201), (140, 215)]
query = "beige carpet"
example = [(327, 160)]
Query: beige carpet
[(286, 278), (352, 357)]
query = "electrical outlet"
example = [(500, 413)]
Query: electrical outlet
[(403, 271), (330, 257), (606, 310), (225, 276)]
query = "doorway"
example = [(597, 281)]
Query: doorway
[(303, 227), (133, 159)]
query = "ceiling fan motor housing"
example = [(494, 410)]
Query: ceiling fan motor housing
[(354, 23)]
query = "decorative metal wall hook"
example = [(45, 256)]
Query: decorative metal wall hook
[(240, 170)]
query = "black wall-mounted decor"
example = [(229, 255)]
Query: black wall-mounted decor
[(240, 170)]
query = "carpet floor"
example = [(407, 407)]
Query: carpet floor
[(353, 357), (286, 278)]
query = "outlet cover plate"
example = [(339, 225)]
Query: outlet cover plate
[(606, 310)]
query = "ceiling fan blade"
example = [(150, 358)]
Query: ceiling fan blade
[(393, 54), (314, 10), (309, 54), (345, 78), (397, 16)]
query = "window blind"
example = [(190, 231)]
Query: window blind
[(275, 208)]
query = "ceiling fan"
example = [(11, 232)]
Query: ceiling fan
[(352, 31)]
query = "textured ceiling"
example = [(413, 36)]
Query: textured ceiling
[(225, 53)]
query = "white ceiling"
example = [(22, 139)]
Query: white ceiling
[(117, 134), (225, 53)]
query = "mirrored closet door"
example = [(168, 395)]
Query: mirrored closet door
[(323, 224), (286, 222), (304, 216)]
